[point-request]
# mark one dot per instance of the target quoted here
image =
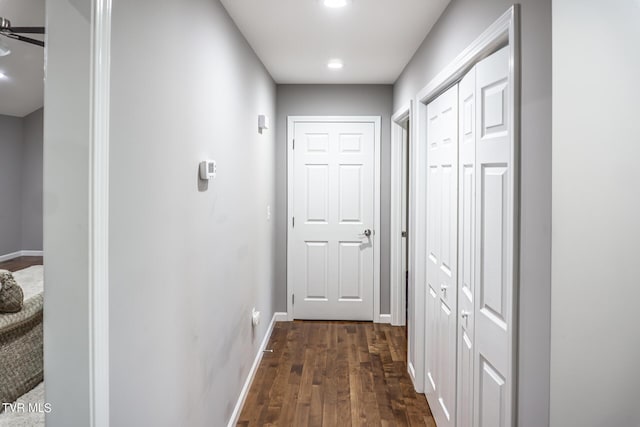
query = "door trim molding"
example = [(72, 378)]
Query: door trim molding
[(98, 280), (376, 120), (504, 31), (398, 299)]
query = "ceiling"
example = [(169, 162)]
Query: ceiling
[(295, 39), (22, 91)]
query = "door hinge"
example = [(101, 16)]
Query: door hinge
[(293, 221), (294, 144), (293, 299)]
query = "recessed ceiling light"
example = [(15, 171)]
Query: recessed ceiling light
[(335, 64), (335, 3), (2, 75)]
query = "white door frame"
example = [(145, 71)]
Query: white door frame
[(291, 121), (94, 100), (397, 295), (504, 31), (99, 213)]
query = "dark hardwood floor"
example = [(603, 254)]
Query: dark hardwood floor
[(20, 263), (335, 374)]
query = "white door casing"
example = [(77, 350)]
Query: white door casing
[(332, 262), (398, 219), (441, 260), (494, 259), (466, 246)]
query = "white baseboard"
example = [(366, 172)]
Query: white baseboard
[(281, 317), (412, 373), (384, 318), (18, 254), (7, 257), (32, 253), (277, 317)]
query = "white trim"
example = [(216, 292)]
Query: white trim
[(416, 244), (504, 31), (32, 253), (376, 120), (397, 272), (515, 78), (18, 254), (98, 280), (280, 316), (497, 35), (384, 318), (412, 373), (237, 410), (10, 256)]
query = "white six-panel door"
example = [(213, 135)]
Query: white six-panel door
[(442, 270), (332, 258), (493, 305)]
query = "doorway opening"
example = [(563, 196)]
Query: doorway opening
[(21, 212)]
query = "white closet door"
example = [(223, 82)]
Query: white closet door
[(493, 365), (442, 243), (466, 246)]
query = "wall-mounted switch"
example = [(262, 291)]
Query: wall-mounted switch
[(208, 169), (263, 122)]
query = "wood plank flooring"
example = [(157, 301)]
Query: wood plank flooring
[(20, 263), (335, 374)]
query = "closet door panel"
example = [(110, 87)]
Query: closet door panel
[(494, 258), (442, 256), (466, 247)]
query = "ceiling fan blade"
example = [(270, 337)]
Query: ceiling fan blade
[(24, 39), (27, 30)]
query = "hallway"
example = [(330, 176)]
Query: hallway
[(335, 373)]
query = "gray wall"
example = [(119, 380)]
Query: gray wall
[(66, 212), (332, 100), (11, 141), (32, 181), (21, 183), (461, 23), (595, 344), (188, 262)]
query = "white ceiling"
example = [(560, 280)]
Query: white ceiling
[(296, 38), (22, 92)]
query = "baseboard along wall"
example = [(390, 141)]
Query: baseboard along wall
[(277, 317), (18, 254)]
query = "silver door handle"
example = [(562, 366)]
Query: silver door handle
[(367, 233), (464, 314)]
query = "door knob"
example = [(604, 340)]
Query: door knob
[(464, 314), (367, 233), (444, 288)]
